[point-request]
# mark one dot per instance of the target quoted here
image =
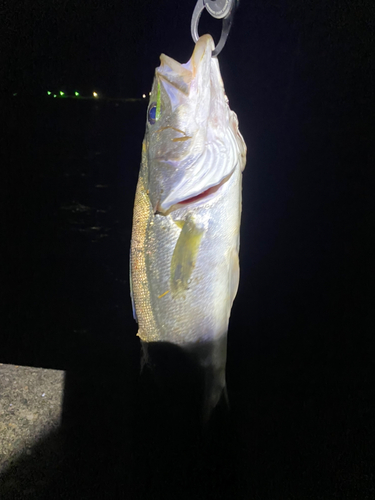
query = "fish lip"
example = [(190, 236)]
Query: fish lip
[(187, 71), (196, 200), (204, 46), (176, 78)]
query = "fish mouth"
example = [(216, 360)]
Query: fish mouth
[(177, 78), (195, 200)]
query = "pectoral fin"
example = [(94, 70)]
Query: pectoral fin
[(185, 255)]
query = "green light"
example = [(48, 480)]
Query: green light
[(14, 95), (54, 95), (62, 93), (158, 102), (48, 92), (76, 94)]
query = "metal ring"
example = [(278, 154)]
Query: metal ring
[(195, 20), (224, 9)]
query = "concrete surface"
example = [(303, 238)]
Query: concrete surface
[(30, 407)]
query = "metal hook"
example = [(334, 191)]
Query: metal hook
[(219, 9)]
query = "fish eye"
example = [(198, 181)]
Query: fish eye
[(152, 113)]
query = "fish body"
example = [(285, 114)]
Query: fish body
[(187, 210)]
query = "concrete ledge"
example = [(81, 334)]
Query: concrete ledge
[(30, 407)]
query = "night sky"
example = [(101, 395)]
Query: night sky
[(301, 345), (115, 45), (112, 46)]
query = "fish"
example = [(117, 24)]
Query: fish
[(184, 255)]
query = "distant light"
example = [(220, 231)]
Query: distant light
[(149, 93), (48, 92), (14, 95), (144, 96), (76, 94), (95, 94), (54, 95), (62, 93)]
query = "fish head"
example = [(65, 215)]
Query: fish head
[(187, 143)]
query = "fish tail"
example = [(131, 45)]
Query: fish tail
[(212, 358), (191, 375)]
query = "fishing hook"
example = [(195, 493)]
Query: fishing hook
[(219, 9)]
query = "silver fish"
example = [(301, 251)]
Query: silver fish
[(186, 223)]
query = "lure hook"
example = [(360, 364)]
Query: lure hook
[(219, 9)]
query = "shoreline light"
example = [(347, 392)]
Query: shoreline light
[(62, 93), (144, 96), (48, 92), (95, 94), (76, 93)]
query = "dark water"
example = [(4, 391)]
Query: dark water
[(70, 178), (300, 352)]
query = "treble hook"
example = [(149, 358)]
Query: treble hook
[(219, 9)]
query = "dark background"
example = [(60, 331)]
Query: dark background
[(301, 340)]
